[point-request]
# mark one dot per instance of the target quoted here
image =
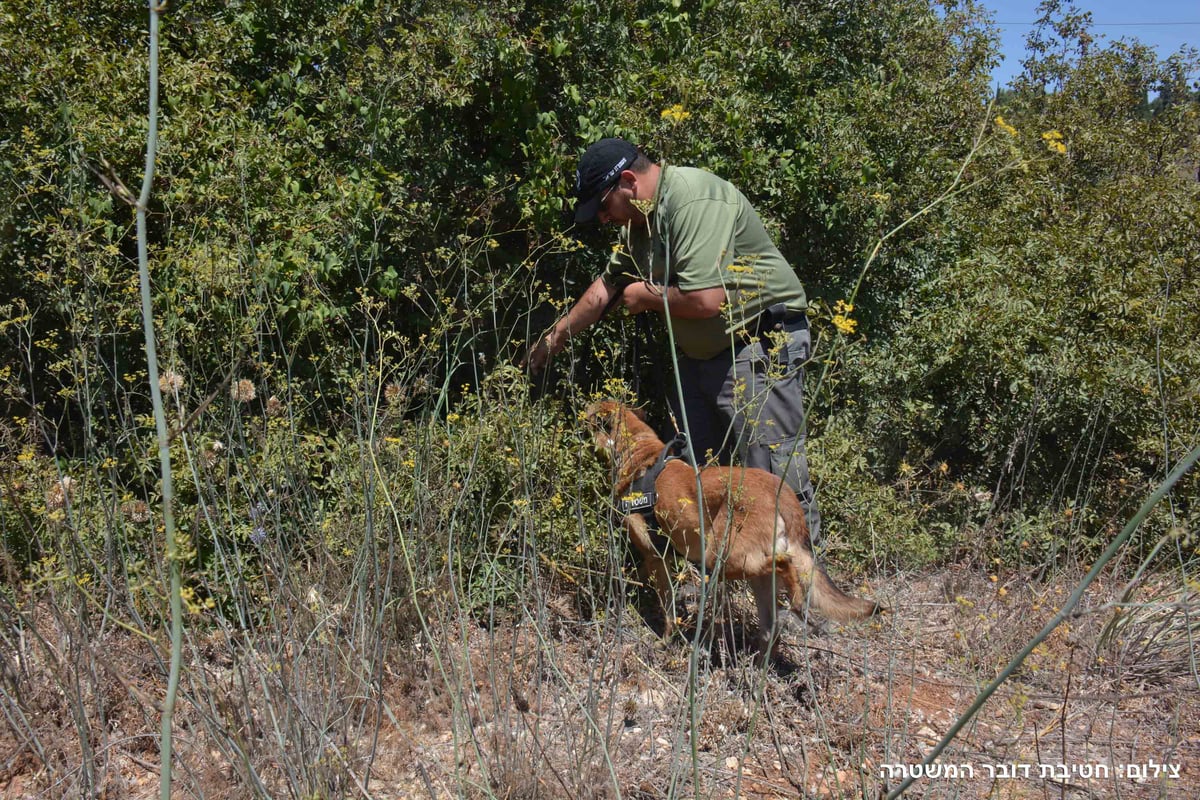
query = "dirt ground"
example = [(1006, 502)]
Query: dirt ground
[(550, 704)]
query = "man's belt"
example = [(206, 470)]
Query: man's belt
[(779, 317)]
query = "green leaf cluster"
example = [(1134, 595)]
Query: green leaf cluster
[(360, 198)]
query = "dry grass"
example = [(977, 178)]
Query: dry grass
[(545, 704)]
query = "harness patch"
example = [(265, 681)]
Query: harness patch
[(641, 496), (637, 502)]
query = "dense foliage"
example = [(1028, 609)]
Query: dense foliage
[(357, 220)]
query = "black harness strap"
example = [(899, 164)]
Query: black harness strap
[(641, 497)]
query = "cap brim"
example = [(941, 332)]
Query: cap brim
[(585, 210)]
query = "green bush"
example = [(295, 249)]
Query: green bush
[(356, 197)]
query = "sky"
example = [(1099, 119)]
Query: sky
[(1164, 24)]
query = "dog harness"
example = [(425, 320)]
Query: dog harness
[(641, 497)]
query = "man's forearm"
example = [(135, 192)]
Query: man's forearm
[(586, 311), (693, 304)]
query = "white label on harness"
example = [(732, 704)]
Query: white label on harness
[(638, 501)]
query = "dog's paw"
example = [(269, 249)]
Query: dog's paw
[(803, 626), (687, 599)]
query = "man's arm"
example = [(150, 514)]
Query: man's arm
[(684, 304), (590, 306)]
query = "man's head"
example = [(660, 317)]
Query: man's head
[(607, 178)]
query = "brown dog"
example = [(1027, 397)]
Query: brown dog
[(753, 529)]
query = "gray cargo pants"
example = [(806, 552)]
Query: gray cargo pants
[(749, 401)]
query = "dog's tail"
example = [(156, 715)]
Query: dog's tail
[(826, 598), (832, 603)]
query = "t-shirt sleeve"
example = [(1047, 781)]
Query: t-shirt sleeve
[(701, 243)]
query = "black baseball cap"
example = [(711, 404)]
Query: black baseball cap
[(600, 167)]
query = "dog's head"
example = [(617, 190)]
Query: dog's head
[(608, 421)]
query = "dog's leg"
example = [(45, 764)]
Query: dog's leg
[(797, 575), (766, 598), (794, 585), (652, 563)]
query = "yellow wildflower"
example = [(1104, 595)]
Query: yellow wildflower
[(1054, 142), (676, 113), (1004, 126), (845, 325), (841, 317)]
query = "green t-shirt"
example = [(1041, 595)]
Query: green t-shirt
[(701, 233)]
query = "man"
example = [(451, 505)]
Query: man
[(692, 248)]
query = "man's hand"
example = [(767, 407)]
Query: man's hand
[(589, 308), (540, 353)]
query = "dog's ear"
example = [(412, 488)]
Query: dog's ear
[(599, 413), (640, 413)]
